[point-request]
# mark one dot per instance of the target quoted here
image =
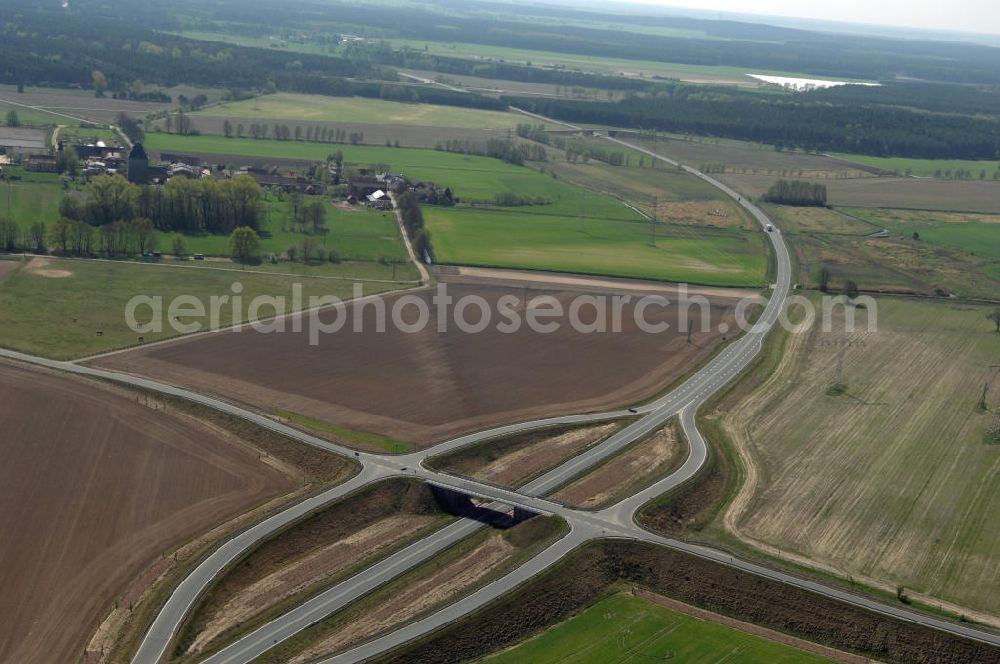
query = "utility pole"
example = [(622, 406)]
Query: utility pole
[(652, 230), (579, 224), (840, 363)]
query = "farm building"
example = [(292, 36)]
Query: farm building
[(379, 200), (361, 186), (138, 165), (42, 163)]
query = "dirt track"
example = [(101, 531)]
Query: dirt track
[(94, 489), (428, 386)]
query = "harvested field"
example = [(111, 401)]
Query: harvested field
[(748, 158), (902, 193), (48, 102), (622, 475), (96, 489), (22, 138), (599, 569), (888, 479), (380, 381), (305, 558), (513, 461)]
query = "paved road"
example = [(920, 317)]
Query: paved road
[(615, 521)]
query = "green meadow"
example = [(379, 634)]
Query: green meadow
[(623, 628), (353, 110)]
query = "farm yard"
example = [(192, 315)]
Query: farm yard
[(97, 488), (629, 628), (64, 308), (379, 382), (886, 479)]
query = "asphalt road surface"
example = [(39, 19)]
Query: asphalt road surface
[(616, 521)]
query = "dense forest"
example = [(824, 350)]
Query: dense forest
[(112, 51), (791, 121), (727, 43)]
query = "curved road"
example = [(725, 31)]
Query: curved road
[(614, 521)]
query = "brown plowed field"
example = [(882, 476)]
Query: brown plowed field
[(94, 488), (427, 386)]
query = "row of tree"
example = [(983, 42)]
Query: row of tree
[(797, 192), (577, 149), (182, 205), (13, 239), (413, 222), (497, 148)]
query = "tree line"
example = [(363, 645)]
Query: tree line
[(182, 205), (413, 222), (797, 193), (497, 148)]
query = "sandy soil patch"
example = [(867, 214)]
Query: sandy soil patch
[(440, 586), (650, 459), (309, 570), (428, 386), (141, 482), (701, 213), (38, 266)]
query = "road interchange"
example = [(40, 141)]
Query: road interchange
[(616, 521)]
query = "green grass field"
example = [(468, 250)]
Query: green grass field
[(892, 481), (348, 110), (498, 238), (622, 628), (974, 234), (35, 197), (56, 308), (356, 234), (926, 167)]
